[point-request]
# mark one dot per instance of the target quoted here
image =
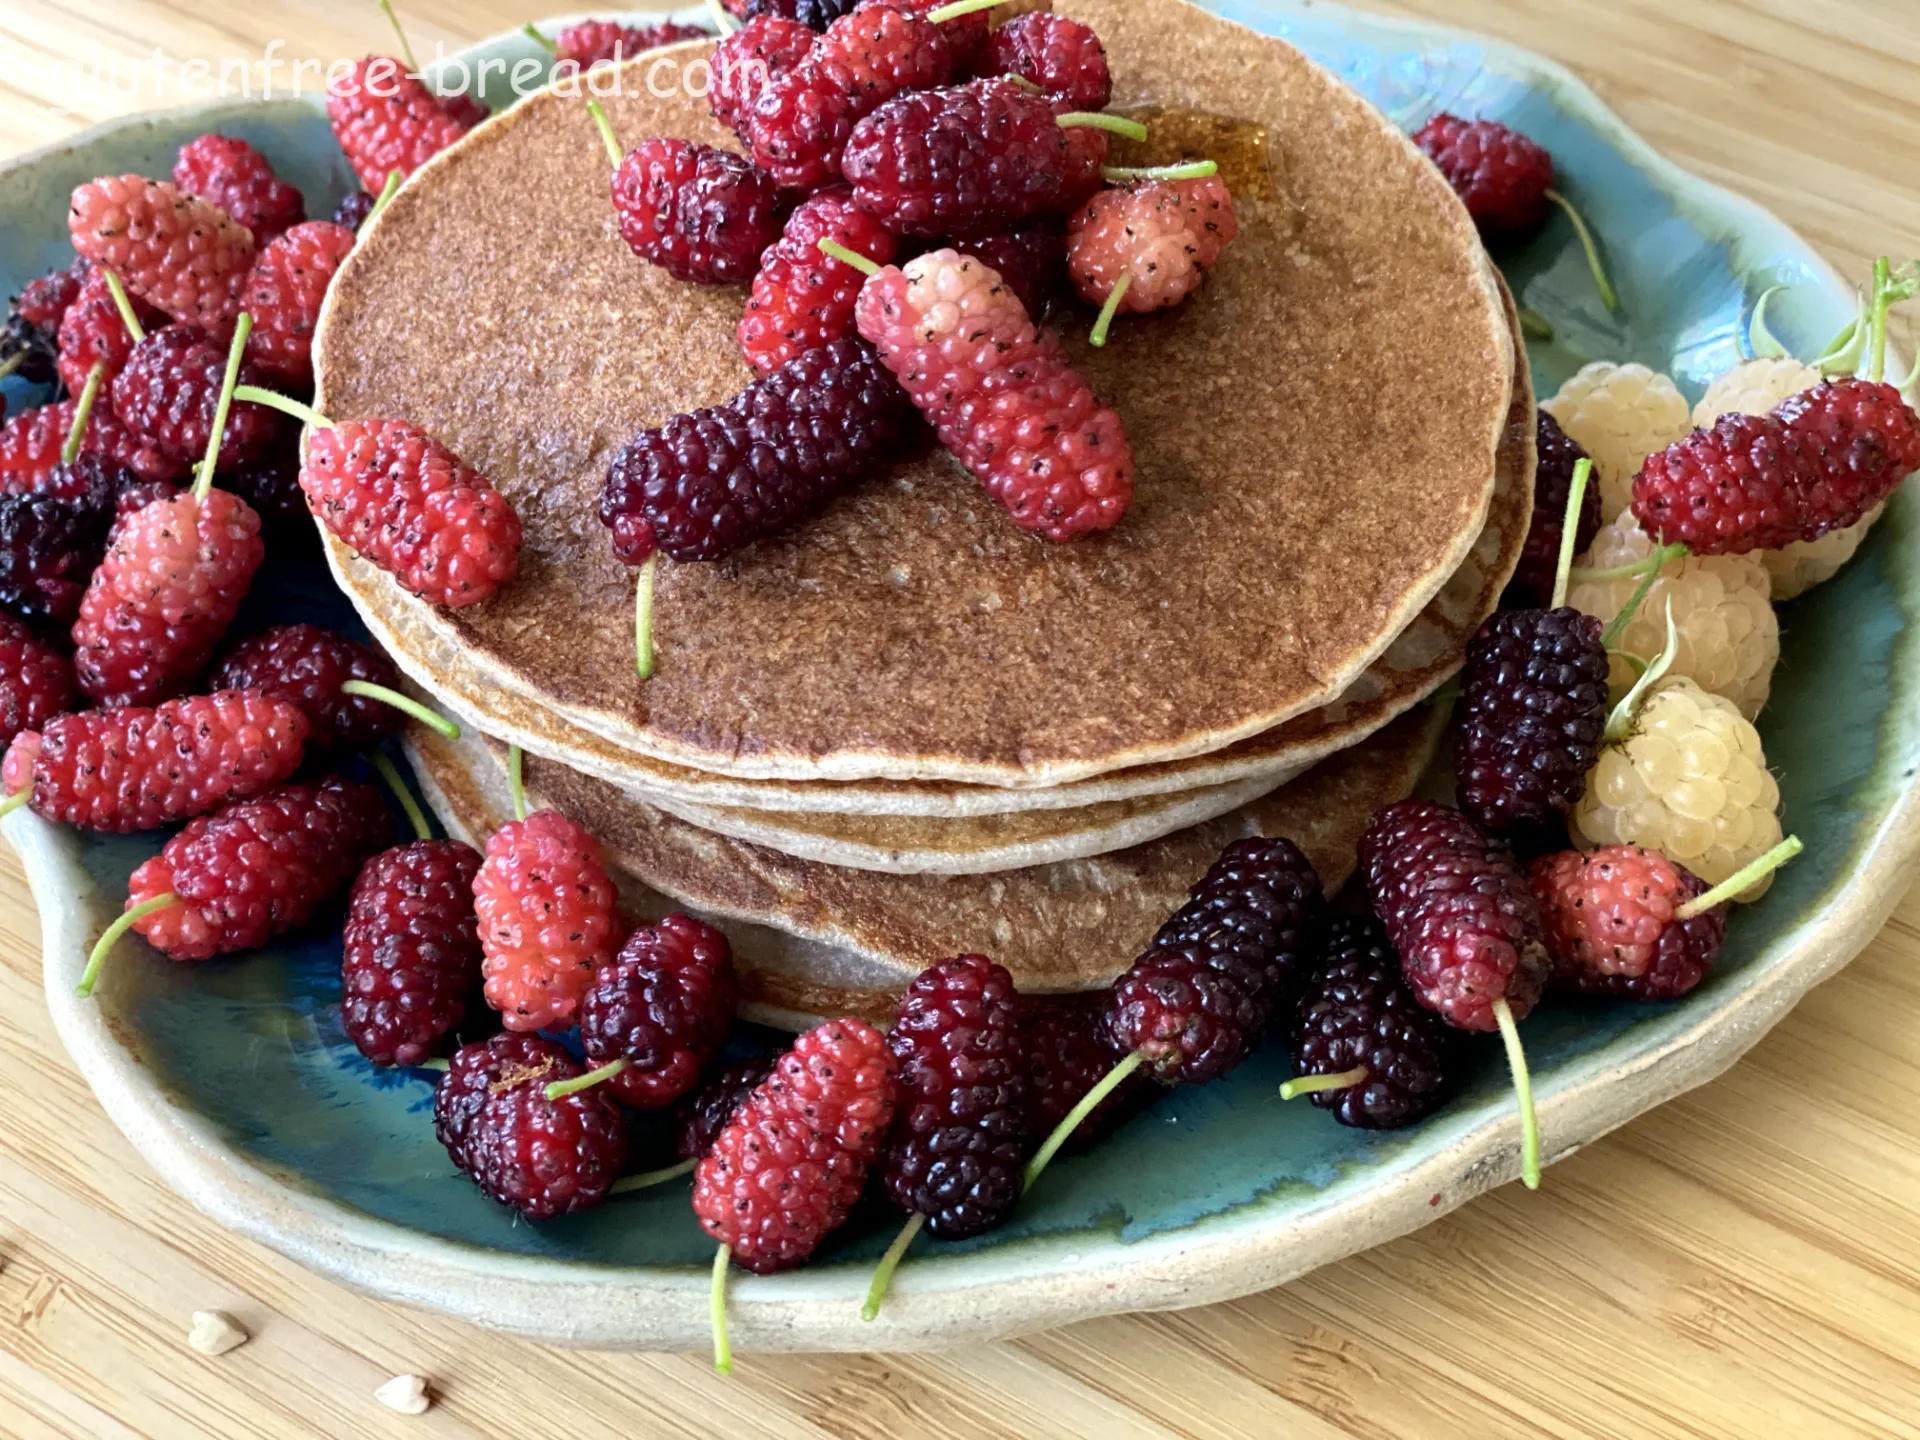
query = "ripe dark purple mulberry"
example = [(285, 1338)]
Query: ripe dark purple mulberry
[(410, 965), (814, 14), (1189, 1014), (271, 485), (1195, 1004), (1533, 706), (354, 210), (1031, 260), (1459, 911), (1260, 902), (978, 157), (663, 1008), (538, 1156), (1358, 1014), (306, 666), (960, 1122), (704, 485), (51, 542), (704, 1114), (1067, 1048), (1532, 585)]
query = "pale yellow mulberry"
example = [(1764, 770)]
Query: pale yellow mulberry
[(1620, 414), (1690, 781), (1729, 637), (1753, 387)]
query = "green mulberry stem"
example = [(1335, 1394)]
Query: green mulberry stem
[(959, 10), (848, 257), (1522, 1094), (1650, 564), (1620, 721), (889, 1262), (1110, 309), (83, 413), (1192, 170), (1608, 296), (643, 587), (1070, 1122), (607, 135), (406, 50), (1743, 879), (390, 773), (647, 1179), (1618, 625), (305, 414), (405, 704), (516, 780), (124, 306), (1313, 1084), (717, 1311), (1570, 530), (111, 937), (380, 203), (1882, 308), (560, 1089), (236, 352), (1100, 120)]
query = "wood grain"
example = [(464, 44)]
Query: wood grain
[(1743, 1262)]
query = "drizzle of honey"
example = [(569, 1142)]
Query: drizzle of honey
[(1175, 135)]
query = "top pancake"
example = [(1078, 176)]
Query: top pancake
[(972, 818), (875, 837), (1315, 434)]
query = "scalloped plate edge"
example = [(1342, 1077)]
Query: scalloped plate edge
[(1020, 1287)]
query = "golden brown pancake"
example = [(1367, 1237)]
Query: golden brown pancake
[(1417, 663), (1314, 433), (1431, 649), (814, 939)]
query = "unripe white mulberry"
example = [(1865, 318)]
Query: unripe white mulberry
[(1690, 781), (1620, 414), (1753, 387), (1729, 636)]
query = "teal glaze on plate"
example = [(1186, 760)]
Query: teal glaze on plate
[(237, 1082)]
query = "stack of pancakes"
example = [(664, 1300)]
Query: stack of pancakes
[(906, 730)]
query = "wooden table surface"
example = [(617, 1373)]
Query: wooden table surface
[(1742, 1262)]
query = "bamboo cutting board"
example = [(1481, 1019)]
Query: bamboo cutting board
[(1744, 1262)]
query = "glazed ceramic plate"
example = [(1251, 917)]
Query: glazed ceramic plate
[(235, 1081)]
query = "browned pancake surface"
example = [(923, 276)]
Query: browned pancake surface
[(1415, 665), (812, 940), (1069, 925), (1315, 436)]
